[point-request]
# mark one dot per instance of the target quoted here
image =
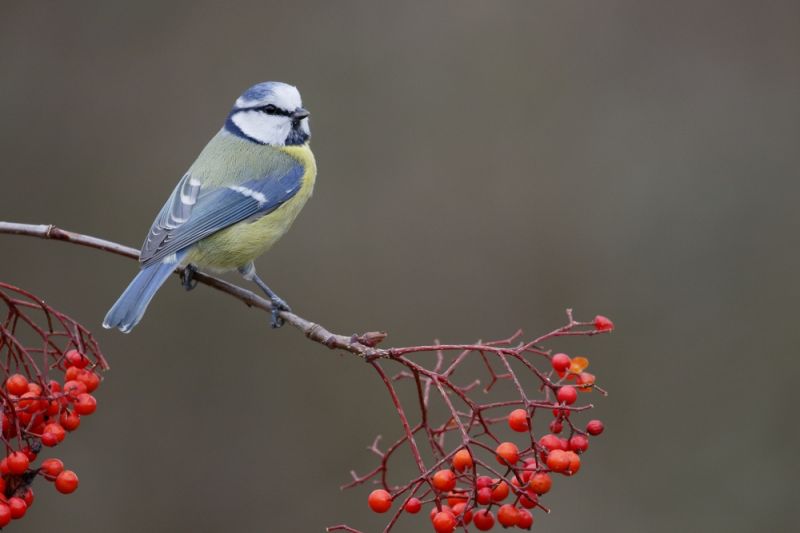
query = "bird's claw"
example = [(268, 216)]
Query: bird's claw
[(278, 305), (187, 277)]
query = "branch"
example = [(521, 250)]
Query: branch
[(360, 345)]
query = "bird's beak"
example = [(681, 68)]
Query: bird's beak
[(300, 113)]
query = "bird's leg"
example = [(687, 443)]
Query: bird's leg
[(248, 272), (187, 277)]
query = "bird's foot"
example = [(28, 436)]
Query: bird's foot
[(187, 277), (278, 305)]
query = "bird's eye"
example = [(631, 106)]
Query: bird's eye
[(269, 109)]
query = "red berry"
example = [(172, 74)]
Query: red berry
[(594, 427), (483, 520), (574, 462), (85, 404), (28, 497), (518, 420), (585, 381), (484, 496), (76, 359), (90, 379), (69, 420), (49, 439), (567, 394), (558, 461), (550, 442), (17, 384), (445, 508), (444, 480), (462, 460), (556, 426), (560, 362), (17, 506), (17, 463), (500, 492), (413, 505), (507, 453), (27, 450), (51, 468), (460, 509), (454, 499), (578, 443), (5, 514), (507, 515), (379, 500), (528, 500), (73, 388), (540, 483), (66, 482), (484, 481), (602, 323), (57, 430), (524, 519), (72, 373), (444, 522)]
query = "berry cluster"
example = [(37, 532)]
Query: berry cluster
[(477, 478), (51, 366)]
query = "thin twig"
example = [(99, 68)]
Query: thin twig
[(313, 331)]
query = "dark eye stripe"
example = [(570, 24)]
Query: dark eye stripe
[(270, 109)]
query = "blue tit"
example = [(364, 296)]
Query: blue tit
[(238, 198)]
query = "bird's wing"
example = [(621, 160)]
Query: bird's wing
[(193, 212), (174, 214)]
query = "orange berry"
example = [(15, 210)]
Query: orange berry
[(379, 501), (444, 522), (524, 519), (462, 460), (507, 453), (574, 462), (85, 404), (444, 480), (507, 515), (518, 420), (500, 492), (558, 461), (540, 483)]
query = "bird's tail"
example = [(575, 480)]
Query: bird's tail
[(130, 307)]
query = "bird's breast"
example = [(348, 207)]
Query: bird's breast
[(239, 244)]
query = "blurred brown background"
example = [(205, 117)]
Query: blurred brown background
[(483, 165)]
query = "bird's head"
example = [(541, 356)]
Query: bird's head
[(270, 113)]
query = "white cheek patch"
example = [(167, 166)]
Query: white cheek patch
[(250, 193), (267, 129)]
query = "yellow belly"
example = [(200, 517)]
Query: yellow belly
[(239, 244)]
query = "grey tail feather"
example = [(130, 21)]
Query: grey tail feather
[(130, 307)]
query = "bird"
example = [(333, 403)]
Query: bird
[(237, 199)]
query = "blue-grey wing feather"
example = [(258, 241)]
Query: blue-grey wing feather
[(176, 211), (217, 208)]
